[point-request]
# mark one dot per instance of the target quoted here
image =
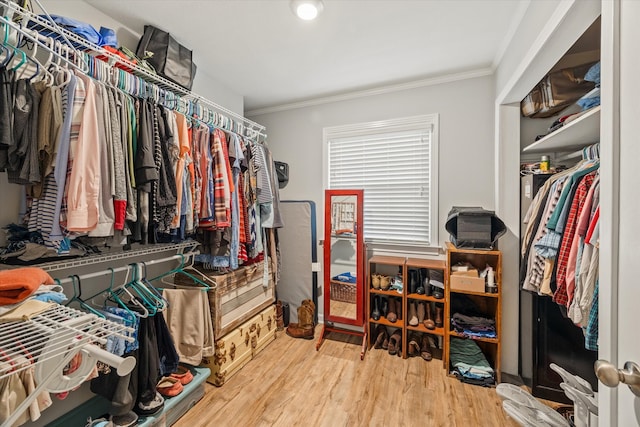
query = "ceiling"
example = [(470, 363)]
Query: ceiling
[(259, 49)]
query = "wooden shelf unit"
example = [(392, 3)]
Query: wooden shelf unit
[(391, 266), (490, 304)]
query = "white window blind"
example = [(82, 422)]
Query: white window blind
[(394, 165)]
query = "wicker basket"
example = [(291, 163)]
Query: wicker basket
[(345, 292)]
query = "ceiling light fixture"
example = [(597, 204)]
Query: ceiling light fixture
[(307, 9)]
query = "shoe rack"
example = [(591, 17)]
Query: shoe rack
[(488, 303), (391, 266)]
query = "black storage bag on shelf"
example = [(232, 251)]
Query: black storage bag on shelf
[(167, 56), (474, 227)]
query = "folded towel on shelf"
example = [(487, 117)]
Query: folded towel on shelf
[(26, 310), (17, 285)]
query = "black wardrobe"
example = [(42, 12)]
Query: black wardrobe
[(546, 336)]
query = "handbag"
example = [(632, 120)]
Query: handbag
[(169, 58)]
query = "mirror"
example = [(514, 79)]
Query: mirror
[(344, 257)]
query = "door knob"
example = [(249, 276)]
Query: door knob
[(611, 376)]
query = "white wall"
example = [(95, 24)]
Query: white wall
[(466, 139)]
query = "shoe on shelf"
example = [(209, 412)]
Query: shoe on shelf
[(413, 315), (375, 313), (413, 281), (428, 320), (375, 281), (421, 312), (425, 281), (150, 408), (395, 342), (439, 313), (413, 344), (385, 282), (183, 374), (127, 420), (425, 352), (392, 315), (169, 387), (381, 335), (420, 288), (437, 292)]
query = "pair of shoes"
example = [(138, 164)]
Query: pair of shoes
[(183, 375), (305, 327), (150, 408), (385, 282), (169, 387), (127, 420)]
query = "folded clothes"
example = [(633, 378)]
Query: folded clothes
[(346, 277), (18, 284), (26, 310), (57, 297)]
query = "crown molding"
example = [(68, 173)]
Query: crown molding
[(431, 81)]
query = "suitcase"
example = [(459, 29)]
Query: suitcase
[(237, 348)]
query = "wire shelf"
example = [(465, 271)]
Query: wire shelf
[(239, 124), (51, 334)]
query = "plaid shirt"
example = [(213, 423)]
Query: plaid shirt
[(221, 180), (591, 332), (561, 296)]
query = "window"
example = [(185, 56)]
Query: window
[(395, 162)]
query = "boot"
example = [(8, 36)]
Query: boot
[(279, 316), (305, 327), (420, 287), (395, 342), (285, 313), (413, 344), (381, 336), (413, 281), (425, 353), (428, 320), (399, 308), (425, 281), (439, 311), (421, 312), (392, 315), (413, 316), (384, 306), (375, 313)]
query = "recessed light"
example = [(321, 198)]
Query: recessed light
[(307, 9)]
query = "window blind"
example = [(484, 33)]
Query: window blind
[(394, 169)]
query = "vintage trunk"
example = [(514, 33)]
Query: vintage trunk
[(237, 348), (239, 295)]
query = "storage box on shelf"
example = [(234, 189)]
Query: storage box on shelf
[(422, 266), (389, 267), (487, 303)]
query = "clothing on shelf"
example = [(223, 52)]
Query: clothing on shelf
[(560, 254), (469, 363)]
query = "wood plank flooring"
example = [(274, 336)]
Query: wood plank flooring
[(290, 384)]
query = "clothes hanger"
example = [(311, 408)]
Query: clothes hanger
[(143, 278), (180, 270), (113, 296), (77, 293), (155, 303), (136, 295)]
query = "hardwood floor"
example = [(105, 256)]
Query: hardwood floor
[(290, 384)]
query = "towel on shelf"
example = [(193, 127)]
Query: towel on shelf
[(18, 284), (26, 311)]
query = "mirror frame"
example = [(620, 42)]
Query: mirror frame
[(360, 271)]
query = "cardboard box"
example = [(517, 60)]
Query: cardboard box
[(466, 281)]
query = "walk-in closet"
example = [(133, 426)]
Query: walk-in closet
[(312, 212)]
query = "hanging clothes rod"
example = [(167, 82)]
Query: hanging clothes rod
[(247, 127), (103, 273)]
